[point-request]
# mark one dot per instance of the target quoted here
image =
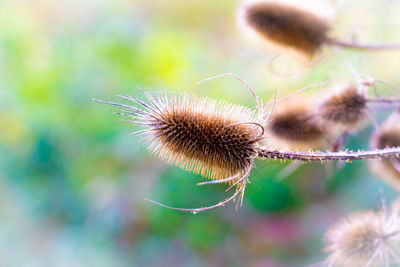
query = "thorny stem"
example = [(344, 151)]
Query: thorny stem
[(342, 43), (291, 155), (325, 156)]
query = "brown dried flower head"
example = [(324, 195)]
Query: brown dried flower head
[(284, 25), (345, 107), (294, 125), (387, 136), (361, 239), (211, 138), (207, 137), (294, 26)]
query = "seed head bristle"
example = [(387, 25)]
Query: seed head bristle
[(285, 25), (294, 125), (345, 107), (361, 239), (387, 135), (207, 137)]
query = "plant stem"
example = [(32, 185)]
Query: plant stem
[(325, 156), (342, 43)]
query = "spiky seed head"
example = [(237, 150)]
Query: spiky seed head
[(293, 125), (387, 135), (284, 24), (345, 107), (208, 137), (361, 238)]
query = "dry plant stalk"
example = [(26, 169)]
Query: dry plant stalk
[(215, 139)]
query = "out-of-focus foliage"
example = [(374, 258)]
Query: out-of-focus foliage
[(72, 179)]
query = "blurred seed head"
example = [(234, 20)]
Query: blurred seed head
[(361, 239), (208, 137), (344, 108), (387, 135), (285, 25), (294, 125)]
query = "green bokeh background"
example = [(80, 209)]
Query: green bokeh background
[(72, 179)]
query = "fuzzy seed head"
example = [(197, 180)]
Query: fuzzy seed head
[(388, 135), (359, 239), (285, 25), (294, 125), (211, 138), (345, 107)]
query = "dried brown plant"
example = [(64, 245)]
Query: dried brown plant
[(215, 139), (365, 238), (293, 26), (294, 125)]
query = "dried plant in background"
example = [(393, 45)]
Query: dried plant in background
[(365, 238), (387, 135), (345, 107), (294, 125), (343, 111), (293, 26), (215, 139), (346, 104), (342, 108)]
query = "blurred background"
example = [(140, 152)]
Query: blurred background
[(73, 181)]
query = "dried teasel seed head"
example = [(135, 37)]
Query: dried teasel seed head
[(344, 108), (387, 135), (294, 26), (361, 239), (284, 25), (294, 125), (207, 137)]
